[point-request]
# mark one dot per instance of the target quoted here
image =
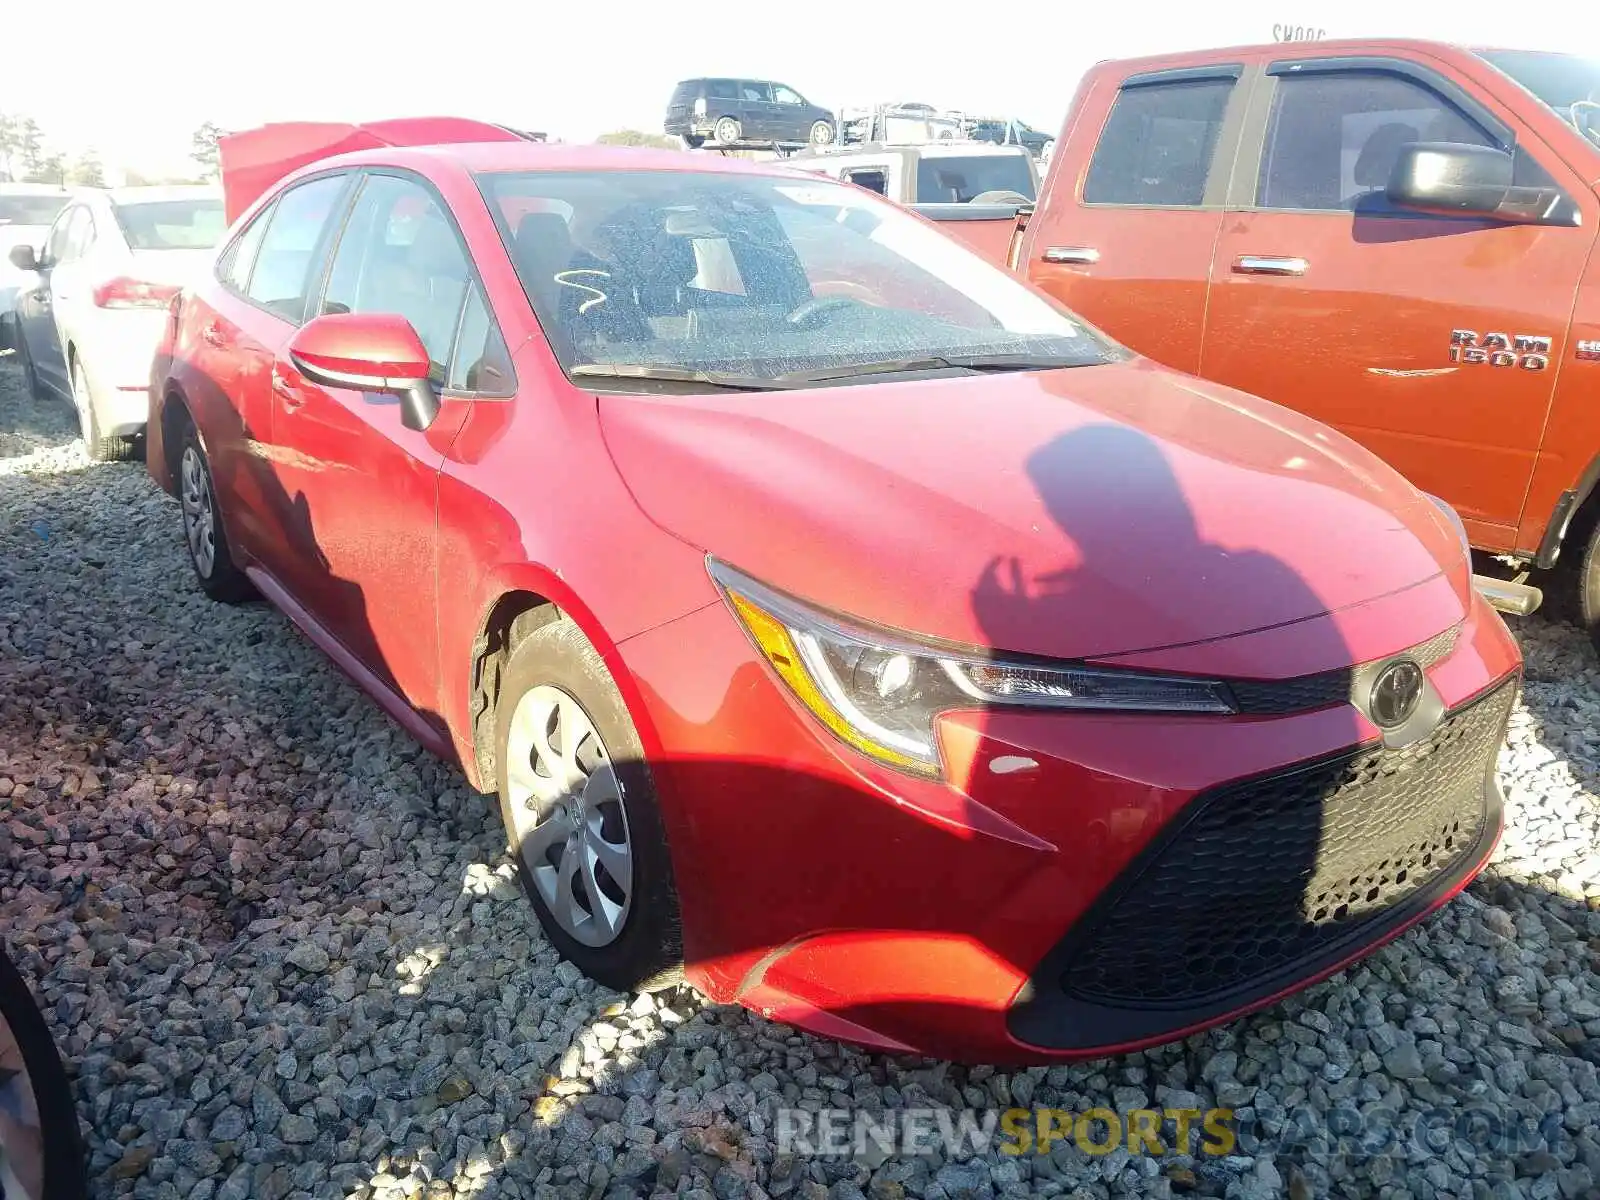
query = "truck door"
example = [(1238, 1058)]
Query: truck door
[(1124, 235), (1433, 341)]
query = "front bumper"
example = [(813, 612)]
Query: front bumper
[(942, 917)]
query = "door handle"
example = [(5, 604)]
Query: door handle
[(212, 333), (288, 396), (1266, 264), (1071, 254)]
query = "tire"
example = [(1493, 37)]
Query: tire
[(555, 680), (726, 131), (100, 449), (693, 141), (61, 1153), (821, 134), (218, 576)]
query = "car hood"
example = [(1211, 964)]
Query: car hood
[(1077, 513)]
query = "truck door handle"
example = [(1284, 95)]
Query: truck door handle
[(1266, 264), (1071, 254)]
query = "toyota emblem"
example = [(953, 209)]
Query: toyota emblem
[(1395, 693)]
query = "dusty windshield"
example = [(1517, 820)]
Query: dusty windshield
[(766, 279), (1564, 82)]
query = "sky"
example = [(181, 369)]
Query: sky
[(139, 77)]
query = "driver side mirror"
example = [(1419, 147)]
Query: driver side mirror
[(1457, 179), (25, 258), (369, 352)]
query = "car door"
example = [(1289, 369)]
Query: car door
[(367, 485), (757, 119), (72, 280), (791, 115), (1124, 235), (268, 274), (1383, 323), (35, 309)]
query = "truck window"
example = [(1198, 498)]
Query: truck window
[(874, 179), (1334, 139), (949, 179), (1158, 143)]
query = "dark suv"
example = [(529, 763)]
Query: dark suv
[(746, 112)]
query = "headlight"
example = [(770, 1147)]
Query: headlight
[(882, 692), (1455, 520)]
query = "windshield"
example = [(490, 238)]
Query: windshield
[(955, 179), (30, 210), (196, 224), (766, 276), (1564, 82)]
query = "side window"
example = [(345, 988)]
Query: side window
[(234, 267), (480, 362), (785, 95), (874, 179), (1334, 139), (400, 254), (722, 89), (55, 247), (1158, 144), (81, 236), (287, 258), (755, 92)]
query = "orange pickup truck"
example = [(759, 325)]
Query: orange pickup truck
[(1395, 237)]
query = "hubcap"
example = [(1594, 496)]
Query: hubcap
[(571, 824), (199, 513), (21, 1140)]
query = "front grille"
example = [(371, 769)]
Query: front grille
[(1279, 696), (1263, 874)]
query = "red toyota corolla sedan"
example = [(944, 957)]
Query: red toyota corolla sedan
[(840, 621)]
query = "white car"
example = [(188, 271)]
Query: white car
[(26, 213), (89, 325)]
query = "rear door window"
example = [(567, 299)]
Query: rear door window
[(1158, 144), (288, 261), (753, 91)]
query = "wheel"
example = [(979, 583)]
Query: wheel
[(213, 565), (821, 133), (726, 131), (693, 141), (41, 1151), (100, 449), (1584, 590), (580, 813)]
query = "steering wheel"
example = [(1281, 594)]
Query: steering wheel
[(1585, 116), (805, 313)]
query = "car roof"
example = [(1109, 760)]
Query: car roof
[(33, 189), (496, 157), (156, 192)]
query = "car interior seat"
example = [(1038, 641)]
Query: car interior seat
[(1379, 154)]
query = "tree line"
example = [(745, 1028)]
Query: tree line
[(26, 157)]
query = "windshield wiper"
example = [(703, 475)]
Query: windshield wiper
[(939, 362), (648, 372)]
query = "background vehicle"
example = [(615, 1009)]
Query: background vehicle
[(746, 112), (89, 325), (898, 123), (1003, 132), (1394, 237), (26, 213), (544, 374), (41, 1151), (974, 187)]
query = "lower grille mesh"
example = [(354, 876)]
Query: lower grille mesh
[(1274, 870)]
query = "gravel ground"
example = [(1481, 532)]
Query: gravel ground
[(285, 954)]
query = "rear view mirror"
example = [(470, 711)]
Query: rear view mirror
[(369, 352), (24, 258), (1457, 179)]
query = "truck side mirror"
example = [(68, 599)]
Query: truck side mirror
[(1457, 179)]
